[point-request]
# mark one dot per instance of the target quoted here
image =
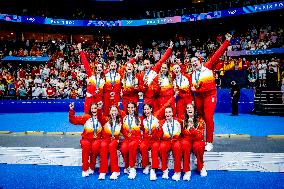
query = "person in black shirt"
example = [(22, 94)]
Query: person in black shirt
[(235, 95)]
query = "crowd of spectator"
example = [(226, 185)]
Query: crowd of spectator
[(63, 76)]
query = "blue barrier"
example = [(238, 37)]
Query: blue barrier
[(143, 22), (224, 104), (26, 58), (246, 104), (256, 52)]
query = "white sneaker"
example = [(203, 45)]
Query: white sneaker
[(102, 176), (203, 172), (114, 175), (153, 175), (146, 170), (85, 173), (209, 147), (165, 174), (186, 176), (132, 173), (126, 170), (176, 176), (90, 171)]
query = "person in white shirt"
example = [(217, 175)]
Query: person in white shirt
[(36, 91)]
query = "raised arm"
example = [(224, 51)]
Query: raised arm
[(77, 120), (101, 117), (84, 61), (167, 54), (159, 113), (215, 58)]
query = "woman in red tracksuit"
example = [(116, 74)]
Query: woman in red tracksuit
[(132, 139), (182, 90), (170, 129), (110, 140), (112, 87), (204, 87), (95, 82), (130, 85), (151, 141), (149, 77), (193, 139), (165, 89), (91, 137)]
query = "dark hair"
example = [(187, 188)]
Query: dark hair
[(94, 103), (102, 75), (133, 78), (118, 117), (195, 117), (169, 106), (168, 75), (137, 120), (150, 106)]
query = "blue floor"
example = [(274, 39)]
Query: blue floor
[(224, 123), (39, 176)]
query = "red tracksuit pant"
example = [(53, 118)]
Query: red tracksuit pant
[(129, 151), (206, 104), (152, 145), (198, 148), (109, 147), (90, 150), (165, 147)]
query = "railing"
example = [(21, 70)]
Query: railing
[(269, 103)]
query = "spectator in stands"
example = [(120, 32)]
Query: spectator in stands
[(36, 91), (252, 78), (35, 71), (2, 89), (262, 67), (22, 91), (28, 80), (50, 92), (11, 89), (29, 91), (21, 73), (273, 64), (45, 72), (44, 90), (235, 95)]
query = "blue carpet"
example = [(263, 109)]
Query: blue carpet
[(35, 176), (224, 123)]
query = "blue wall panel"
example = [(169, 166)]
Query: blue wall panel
[(27, 106)]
